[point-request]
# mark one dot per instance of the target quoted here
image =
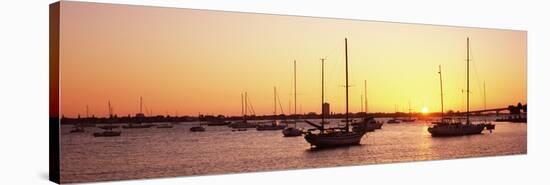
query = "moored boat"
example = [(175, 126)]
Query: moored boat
[(448, 128), (293, 131), (107, 133), (340, 136)]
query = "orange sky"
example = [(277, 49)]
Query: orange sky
[(194, 61)]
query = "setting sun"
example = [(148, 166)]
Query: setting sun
[(425, 110)]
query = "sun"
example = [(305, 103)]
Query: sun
[(425, 110)]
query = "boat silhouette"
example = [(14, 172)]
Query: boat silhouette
[(322, 137), (448, 127)]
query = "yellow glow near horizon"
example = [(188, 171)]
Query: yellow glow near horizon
[(193, 61), (425, 110)]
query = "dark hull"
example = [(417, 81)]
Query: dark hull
[(108, 126), (77, 131), (107, 134), (130, 126), (393, 121), (455, 130), (197, 129), (218, 123), (337, 139), (292, 132), (270, 127)]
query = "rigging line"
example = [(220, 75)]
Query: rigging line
[(477, 76), (280, 106), (250, 105)]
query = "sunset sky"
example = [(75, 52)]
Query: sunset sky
[(193, 61)]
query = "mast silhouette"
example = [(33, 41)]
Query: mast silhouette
[(141, 105), (468, 80), (295, 109), (441, 91), (347, 92), (275, 103), (322, 94), (366, 99)]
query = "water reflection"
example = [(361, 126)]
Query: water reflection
[(141, 153)]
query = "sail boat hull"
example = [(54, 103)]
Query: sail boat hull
[(455, 130), (291, 132), (336, 139)]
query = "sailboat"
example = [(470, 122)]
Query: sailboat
[(199, 128), (488, 125), (293, 131), (448, 127), (274, 125), (370, 123), (108, 129), (243, 124), (78, 128), (393, 120), (109, 126), (322, 137), (140, 118), (409, 118)]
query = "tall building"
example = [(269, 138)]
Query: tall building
[(326, 109)]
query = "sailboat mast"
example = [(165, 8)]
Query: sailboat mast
[(322, 93), (275, 102), (441, 90), (242, 105), (295, 88), (245, 105), (366, 99), (109, 106), (467, 80), (347, 98), (141, 104), (484, 101), (361, 103), (86, 111)]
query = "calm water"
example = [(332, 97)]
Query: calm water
[(155, 152)]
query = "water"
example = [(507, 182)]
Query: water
[(156, 152)]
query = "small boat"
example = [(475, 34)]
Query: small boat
[(107, 133), (408, 119), (393, 121), (165, 125), (274, 124), (488, 125), (137, 125), (339, 136), (270, 127), (292, 131), (140, 117), (244, 111), (77, 129), (198, 128), (242, 124), (108, 126), (239, 129), (218, 123), (370, 124)]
